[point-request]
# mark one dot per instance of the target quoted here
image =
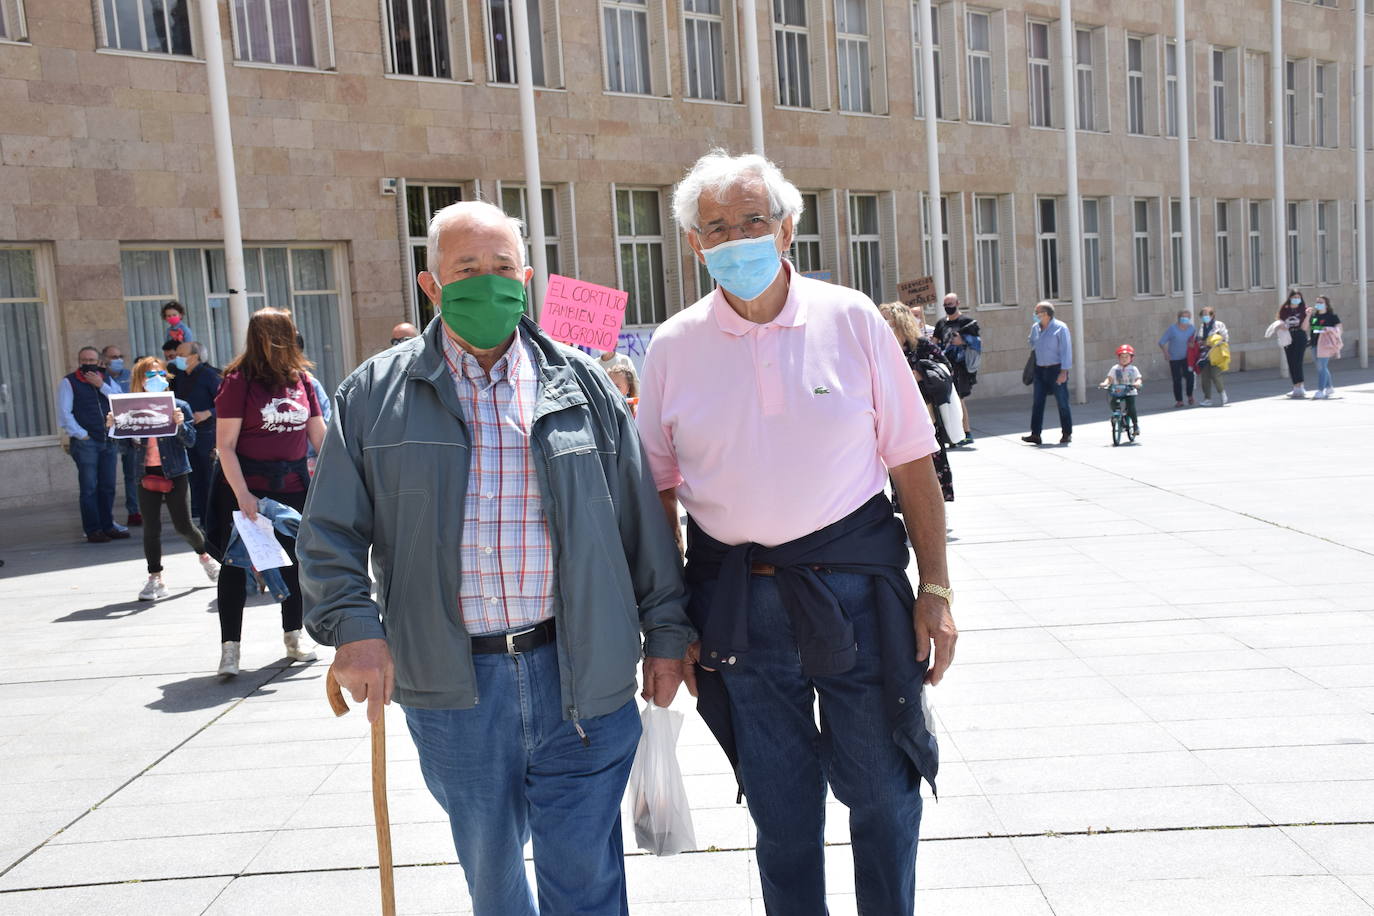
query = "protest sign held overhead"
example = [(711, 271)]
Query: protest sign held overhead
[(140, 415), (920, 291)]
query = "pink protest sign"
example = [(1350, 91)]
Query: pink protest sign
[(583, 314)]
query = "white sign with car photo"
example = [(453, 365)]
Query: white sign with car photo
[(144, 414)]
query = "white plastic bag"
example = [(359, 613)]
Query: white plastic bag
[(657, 797), (952, 415)]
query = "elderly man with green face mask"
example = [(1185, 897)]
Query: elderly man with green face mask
[(497, 481)]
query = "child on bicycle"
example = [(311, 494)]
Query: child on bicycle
[(1123, 381)]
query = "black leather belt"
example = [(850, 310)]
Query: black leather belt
[(516, 641)]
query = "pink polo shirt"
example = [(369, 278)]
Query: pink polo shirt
[(770, 432)]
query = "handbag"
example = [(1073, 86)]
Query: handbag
[(1028, 373), (156, 483)]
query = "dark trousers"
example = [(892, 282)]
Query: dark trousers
[(1181, 374), (233, 580), (1295, 351), (150, 503), (95, 474), (201, 456), (1047, 380)]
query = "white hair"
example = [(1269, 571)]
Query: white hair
[(718, 171), (469, 211)]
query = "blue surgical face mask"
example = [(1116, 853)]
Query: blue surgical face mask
[(1185, 321), (180, 363), (1206, 319), (117, 365), (744, 267), (1296, 300), (155, 383), (1320, 306)]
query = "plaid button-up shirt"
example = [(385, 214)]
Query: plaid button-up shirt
[(507, 556)]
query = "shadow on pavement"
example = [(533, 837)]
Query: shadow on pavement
[(122, 609), (211, 690)]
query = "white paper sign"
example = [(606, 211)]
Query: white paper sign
[(264, 549)]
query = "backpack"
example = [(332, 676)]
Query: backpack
[(1219, 353)]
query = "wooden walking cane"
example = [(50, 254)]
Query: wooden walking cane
[(379, 810)]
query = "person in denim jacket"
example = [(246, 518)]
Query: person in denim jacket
[(164, 459)]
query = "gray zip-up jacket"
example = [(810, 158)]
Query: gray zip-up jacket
[(391, 479)]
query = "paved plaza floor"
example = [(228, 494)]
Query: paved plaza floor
[(1162, 703)]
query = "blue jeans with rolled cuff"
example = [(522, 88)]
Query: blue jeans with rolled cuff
[(511, 769), (96, 464)]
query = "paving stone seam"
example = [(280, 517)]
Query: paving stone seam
[(134, 778)]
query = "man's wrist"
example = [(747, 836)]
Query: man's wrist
[(939, 591)]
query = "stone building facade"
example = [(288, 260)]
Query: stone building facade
[(353, 119)]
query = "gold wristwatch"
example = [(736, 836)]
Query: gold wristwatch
[(940, 591)]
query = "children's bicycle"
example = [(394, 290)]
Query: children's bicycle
[(1122, 425)]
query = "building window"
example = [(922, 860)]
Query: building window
[(26, 402), (935, 32), (284, 32), (1083, 80), (1176, 247), (640, 243), (1171, 88), (989, 249), (1297, 102), (422, 202), (1225, 111), (300, 278), (417, 38), (1323, 110), (792, 43), (1047, 246), (805, 253), (979, 37), (12, 26), (1135, 85), (857, 55), (1256, 97), (1228, 248), (153, 26), (1097, 248), (1041, 80), (1145, 245), (501, 59), (514, 202), (865, 245), (1292, 244), (951, 228), (626, 27), (704, 32), (1328, 266), (1260, 232)]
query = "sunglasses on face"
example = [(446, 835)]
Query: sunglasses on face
[(153, 373)]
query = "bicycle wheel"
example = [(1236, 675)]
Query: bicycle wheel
[(1118, 423), (1129, 427)]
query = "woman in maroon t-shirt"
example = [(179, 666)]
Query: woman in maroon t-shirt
[(267, 414), (1293, 313)]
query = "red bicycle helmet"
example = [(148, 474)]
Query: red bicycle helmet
[(1125, 348)]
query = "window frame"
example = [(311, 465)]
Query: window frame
[(816, 86), (975, 102), (872, 64), (561, 228), (1093, 73), (1228, 250), (1176, 251), (1103, 264), (1003, 255), (45, 280), (548, 51), (729, 51), (1259, 231), (946, 76), (108, 45), (651, 10), (1048, 256), (1325, 109), (1224, 94), (1147, 266), (419, 307), (1044, 83), (1328, 249), (321, 36), (670, 272), (872, 241), (12, 13)]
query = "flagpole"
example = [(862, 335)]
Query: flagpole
[(935, 217), (1066, 34), (529, 135)]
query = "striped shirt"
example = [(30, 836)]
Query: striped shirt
[(506, 554)]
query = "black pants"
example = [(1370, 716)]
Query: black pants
[(233, 580), (1178, 368), (150, 504), (201, 456), (1295, 351)]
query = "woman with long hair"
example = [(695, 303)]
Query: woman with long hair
[(1293, 313), (162, 473), (1326, 344), (935, 378), (267, 415)]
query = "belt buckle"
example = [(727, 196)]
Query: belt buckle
[(510, 639)]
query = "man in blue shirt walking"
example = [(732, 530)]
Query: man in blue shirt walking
[(1174, 344), (1049, 338)]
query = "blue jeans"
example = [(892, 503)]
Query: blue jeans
[(95, 474), (512, 768), (128, 458), (1323, 372), (786, 762), (1047, 380)]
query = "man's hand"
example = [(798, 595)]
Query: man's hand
[(934, 623), (1063, 377), (364, 669), (662, 677), (94, 379)]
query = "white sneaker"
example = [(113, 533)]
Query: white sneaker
[(1331, 392), (1319, 395), (211, 567), (1224, 398), (229, 658), (153, 589), (1205, 402), (1297, 394), (295, 649)]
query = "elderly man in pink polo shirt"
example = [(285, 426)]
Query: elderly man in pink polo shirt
[(774, 409)]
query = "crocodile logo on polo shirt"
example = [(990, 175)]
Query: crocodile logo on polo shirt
[(820, 389)]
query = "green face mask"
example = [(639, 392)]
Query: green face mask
[(483, 310)]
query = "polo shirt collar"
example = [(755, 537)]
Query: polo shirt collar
[(793, 312)]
